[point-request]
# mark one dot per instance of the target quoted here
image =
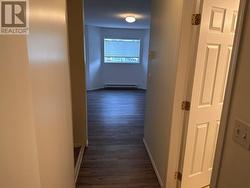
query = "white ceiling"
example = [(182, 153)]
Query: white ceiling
[(111, 13)]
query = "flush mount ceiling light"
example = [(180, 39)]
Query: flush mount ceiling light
[(130, 19)]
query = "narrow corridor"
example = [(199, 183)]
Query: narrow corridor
[(116, 156)]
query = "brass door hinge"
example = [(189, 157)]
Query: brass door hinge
[(186, 105), (196, 19), (178, 176)]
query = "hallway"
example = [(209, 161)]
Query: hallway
[(116, 156)]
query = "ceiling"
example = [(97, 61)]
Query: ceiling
[(111, 13)]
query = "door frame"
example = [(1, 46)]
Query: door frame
[(183, 90)]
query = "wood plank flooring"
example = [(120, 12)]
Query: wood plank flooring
[(116, 156)]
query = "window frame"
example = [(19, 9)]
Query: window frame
[(122, 38)]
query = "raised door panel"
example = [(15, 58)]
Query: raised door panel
[(224, 73), (217, 19), (209, 74), (198, 152)]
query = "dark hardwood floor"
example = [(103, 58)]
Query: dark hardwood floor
[(116, 156)]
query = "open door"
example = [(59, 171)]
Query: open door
[(217, 29)]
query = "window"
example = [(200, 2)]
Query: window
[(122, 51)]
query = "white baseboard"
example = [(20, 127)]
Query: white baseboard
[(96, 88), (79, 162), (153, 163)]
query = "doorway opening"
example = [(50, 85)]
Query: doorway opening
[(116, 77), (116, 65)]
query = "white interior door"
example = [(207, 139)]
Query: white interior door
[(212, 64)]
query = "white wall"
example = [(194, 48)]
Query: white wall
[(18, 159), (165, 39), (35, 105), (100, 73), (49, 74), (235, 164)]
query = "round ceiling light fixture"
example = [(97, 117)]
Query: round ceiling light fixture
[(130, 19)]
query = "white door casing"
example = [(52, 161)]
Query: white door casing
[(215, 44)]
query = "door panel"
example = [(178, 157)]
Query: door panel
[(217, 19), (225, 69), (209, 83), (208, 74), (199, 148)]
